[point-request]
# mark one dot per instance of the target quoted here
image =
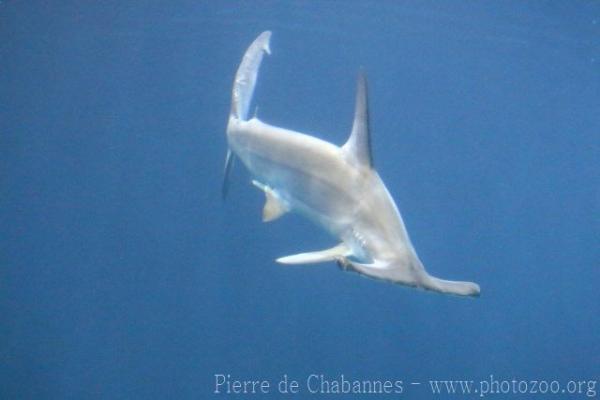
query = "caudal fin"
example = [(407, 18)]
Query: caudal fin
[(245, 78), (243, 88)]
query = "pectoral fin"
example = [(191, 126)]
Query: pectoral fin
[(317, 256), (274, 206)]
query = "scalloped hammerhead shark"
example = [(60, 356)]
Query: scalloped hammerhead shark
[(335, 187)]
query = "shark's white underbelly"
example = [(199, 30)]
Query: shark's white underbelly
[(336, 187), (317, 186)]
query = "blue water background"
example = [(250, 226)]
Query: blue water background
[(124, 275)]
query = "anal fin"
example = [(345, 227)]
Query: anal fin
[(341, 250), (227, 171), (274, 206)]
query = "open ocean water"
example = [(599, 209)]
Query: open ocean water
[(123, 274)]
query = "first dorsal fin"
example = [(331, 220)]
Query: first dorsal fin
[(358, 146)]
